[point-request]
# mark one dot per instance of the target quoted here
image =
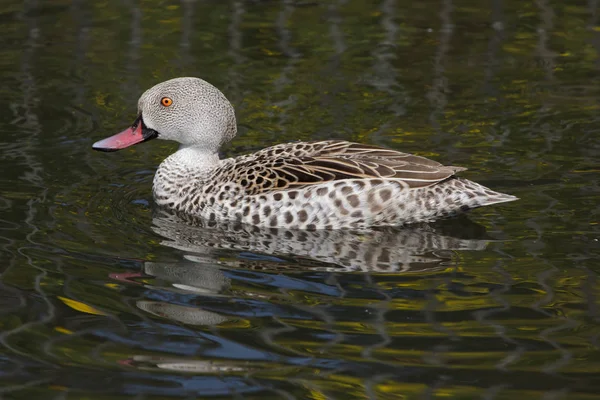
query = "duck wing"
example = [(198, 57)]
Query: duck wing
[(301, 164)]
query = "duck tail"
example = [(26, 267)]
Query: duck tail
[(476, 195)]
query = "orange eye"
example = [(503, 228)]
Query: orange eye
[(166, 101)]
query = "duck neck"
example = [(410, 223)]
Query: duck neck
[(189, 166), (195, 158), (187, 162)]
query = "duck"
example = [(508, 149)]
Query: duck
[(307, 185)]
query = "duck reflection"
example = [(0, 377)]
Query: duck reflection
[(190, 276), (214, 252), (409, 249), (145, 362), (227, 272), (184, 314)]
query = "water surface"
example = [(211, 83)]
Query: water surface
[(103, 297)]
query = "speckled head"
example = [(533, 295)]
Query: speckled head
[(190, 111)]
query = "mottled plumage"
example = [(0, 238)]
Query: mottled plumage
[(328, 184)]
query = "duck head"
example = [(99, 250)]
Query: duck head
[(190, 111)]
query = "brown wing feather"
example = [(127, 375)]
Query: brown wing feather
[(295, 165)]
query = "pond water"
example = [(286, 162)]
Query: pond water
[(101, 296)]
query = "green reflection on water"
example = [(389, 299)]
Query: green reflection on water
[(508, 89)]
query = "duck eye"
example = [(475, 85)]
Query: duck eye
[(166, 101)]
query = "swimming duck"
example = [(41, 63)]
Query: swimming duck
[(326, 184)]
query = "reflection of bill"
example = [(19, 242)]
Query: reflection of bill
[(409, 249)]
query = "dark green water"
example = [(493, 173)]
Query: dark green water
[(100, 297)]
